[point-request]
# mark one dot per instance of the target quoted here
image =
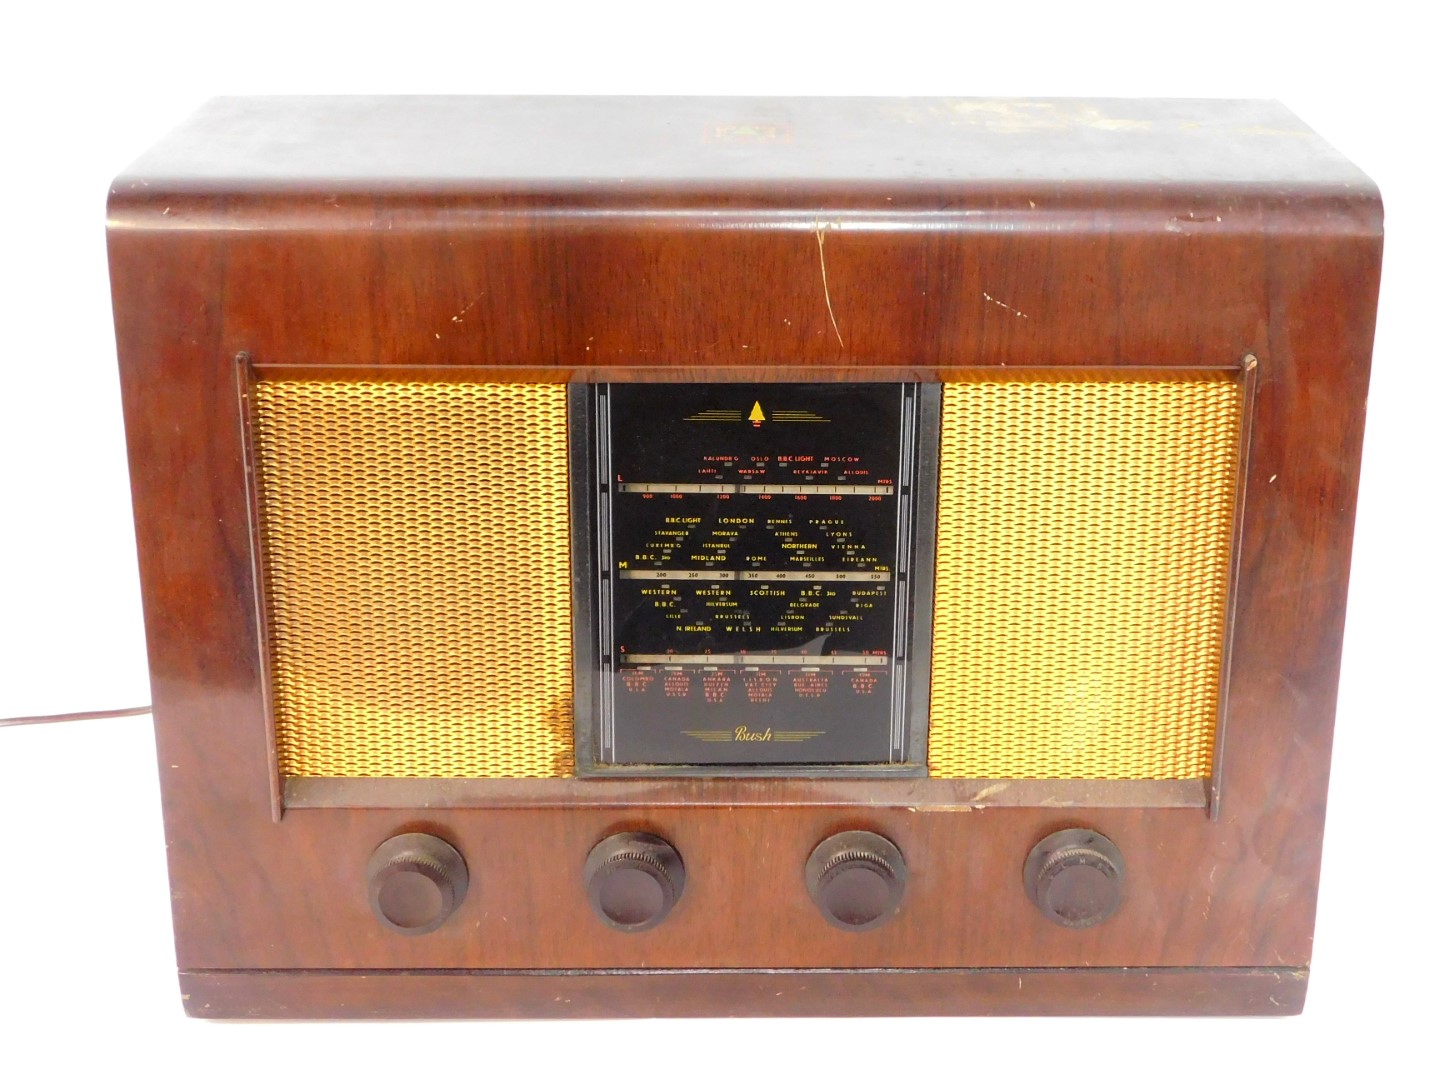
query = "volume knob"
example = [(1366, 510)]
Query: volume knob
[(1075, 877), (856, 879), (416, 882), (633, 879)]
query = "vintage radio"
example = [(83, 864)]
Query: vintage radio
[(721, 556)]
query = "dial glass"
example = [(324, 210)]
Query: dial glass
[(753, 560)]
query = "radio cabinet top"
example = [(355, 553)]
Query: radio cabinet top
[(847, 233)]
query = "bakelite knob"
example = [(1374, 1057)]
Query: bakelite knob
[(416, 882), (633, 879), (856, 879), (1075, 877)]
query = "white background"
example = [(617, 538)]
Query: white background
[(86, 960)]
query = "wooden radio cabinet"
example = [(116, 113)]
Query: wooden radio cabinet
[(740, 556)]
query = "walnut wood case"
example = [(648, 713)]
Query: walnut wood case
[(741, 239)]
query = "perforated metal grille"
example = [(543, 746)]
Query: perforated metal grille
[(1082, 557), (416, 550)]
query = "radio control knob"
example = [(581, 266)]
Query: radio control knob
[(633, 879), (416, 882), (856, 879), (1075, 877)]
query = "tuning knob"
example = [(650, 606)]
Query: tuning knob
[(633, 879), (1075, 877), (856, 879), (416, 881)]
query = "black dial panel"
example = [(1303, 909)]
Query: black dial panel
[(754, 559)]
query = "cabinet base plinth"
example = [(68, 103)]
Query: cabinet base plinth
[(545, 994)]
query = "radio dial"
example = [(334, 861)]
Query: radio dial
[(856, 879), (633, 879), (416, 882), (1075, 877)]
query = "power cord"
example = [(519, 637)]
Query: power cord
[(60, 718)]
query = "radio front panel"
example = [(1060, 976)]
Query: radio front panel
[(887, 558), (980, 579)]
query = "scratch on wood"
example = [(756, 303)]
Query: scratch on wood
[(1007, 307), (461, 316), (953, 809), (820, 228)]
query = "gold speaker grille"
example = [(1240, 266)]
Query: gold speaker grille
[(416, 546), (1082, 558)]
